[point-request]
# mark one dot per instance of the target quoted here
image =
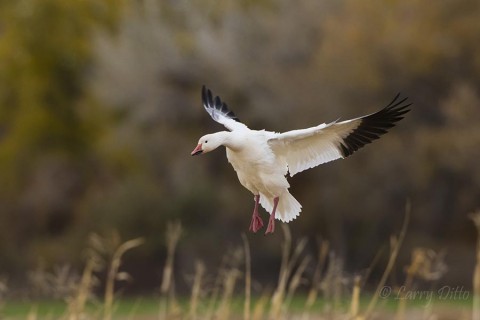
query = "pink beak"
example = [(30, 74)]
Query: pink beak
[(197, 150)]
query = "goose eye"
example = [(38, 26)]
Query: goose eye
[(206, 141)]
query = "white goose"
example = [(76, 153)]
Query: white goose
[(263, 158)]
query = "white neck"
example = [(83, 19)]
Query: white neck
[(228, 140)]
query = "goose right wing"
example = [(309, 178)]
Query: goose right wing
[(307, 148)]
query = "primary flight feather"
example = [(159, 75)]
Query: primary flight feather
[(262, 158)]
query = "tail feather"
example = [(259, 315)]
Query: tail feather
[(288, 207)]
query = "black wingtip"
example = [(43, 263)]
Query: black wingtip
[(373, 126), (216, 104), (395, 103)]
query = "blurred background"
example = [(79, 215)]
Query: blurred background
[(100, 108)]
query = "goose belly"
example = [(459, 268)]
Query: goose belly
[(259, 175)]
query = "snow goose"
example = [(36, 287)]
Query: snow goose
[(263, 158)]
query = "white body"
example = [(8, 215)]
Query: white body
[(262, 172)]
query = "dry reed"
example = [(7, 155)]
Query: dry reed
[(230, 277), (355, 303), (395, 248), (76, 307), (216, 288), (289, 260), (261, 306), (317, 277), (296, 281), (425, 264), (248, 278), (114, 274), (196, 289), (167, 301), (3, 290), (332, 285), (32, 314), (476, 274)]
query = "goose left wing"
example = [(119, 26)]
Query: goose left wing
[(307, 148), (219, 111)]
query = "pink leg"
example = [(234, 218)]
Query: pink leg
[(271, 221), (257, 222)]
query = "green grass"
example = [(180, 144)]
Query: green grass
[(57, 308), (20, 309), (148, 307)]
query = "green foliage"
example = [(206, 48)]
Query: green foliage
[(46, 134), (45, 51)]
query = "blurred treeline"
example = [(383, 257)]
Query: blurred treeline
[(100, 107)]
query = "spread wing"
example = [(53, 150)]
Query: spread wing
[(308, 148), (219, 111)]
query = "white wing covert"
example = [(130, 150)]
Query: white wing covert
[(308, 148)]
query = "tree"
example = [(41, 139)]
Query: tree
[(46, 123)]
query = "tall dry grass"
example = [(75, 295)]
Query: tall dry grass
[(196, 289), (248, 278), (76, 306), (114, 274), (327, 291), (323, 249), (168, 304), (102, 253), (289, 261), (476, 274), (327, 286), (395, 244)]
